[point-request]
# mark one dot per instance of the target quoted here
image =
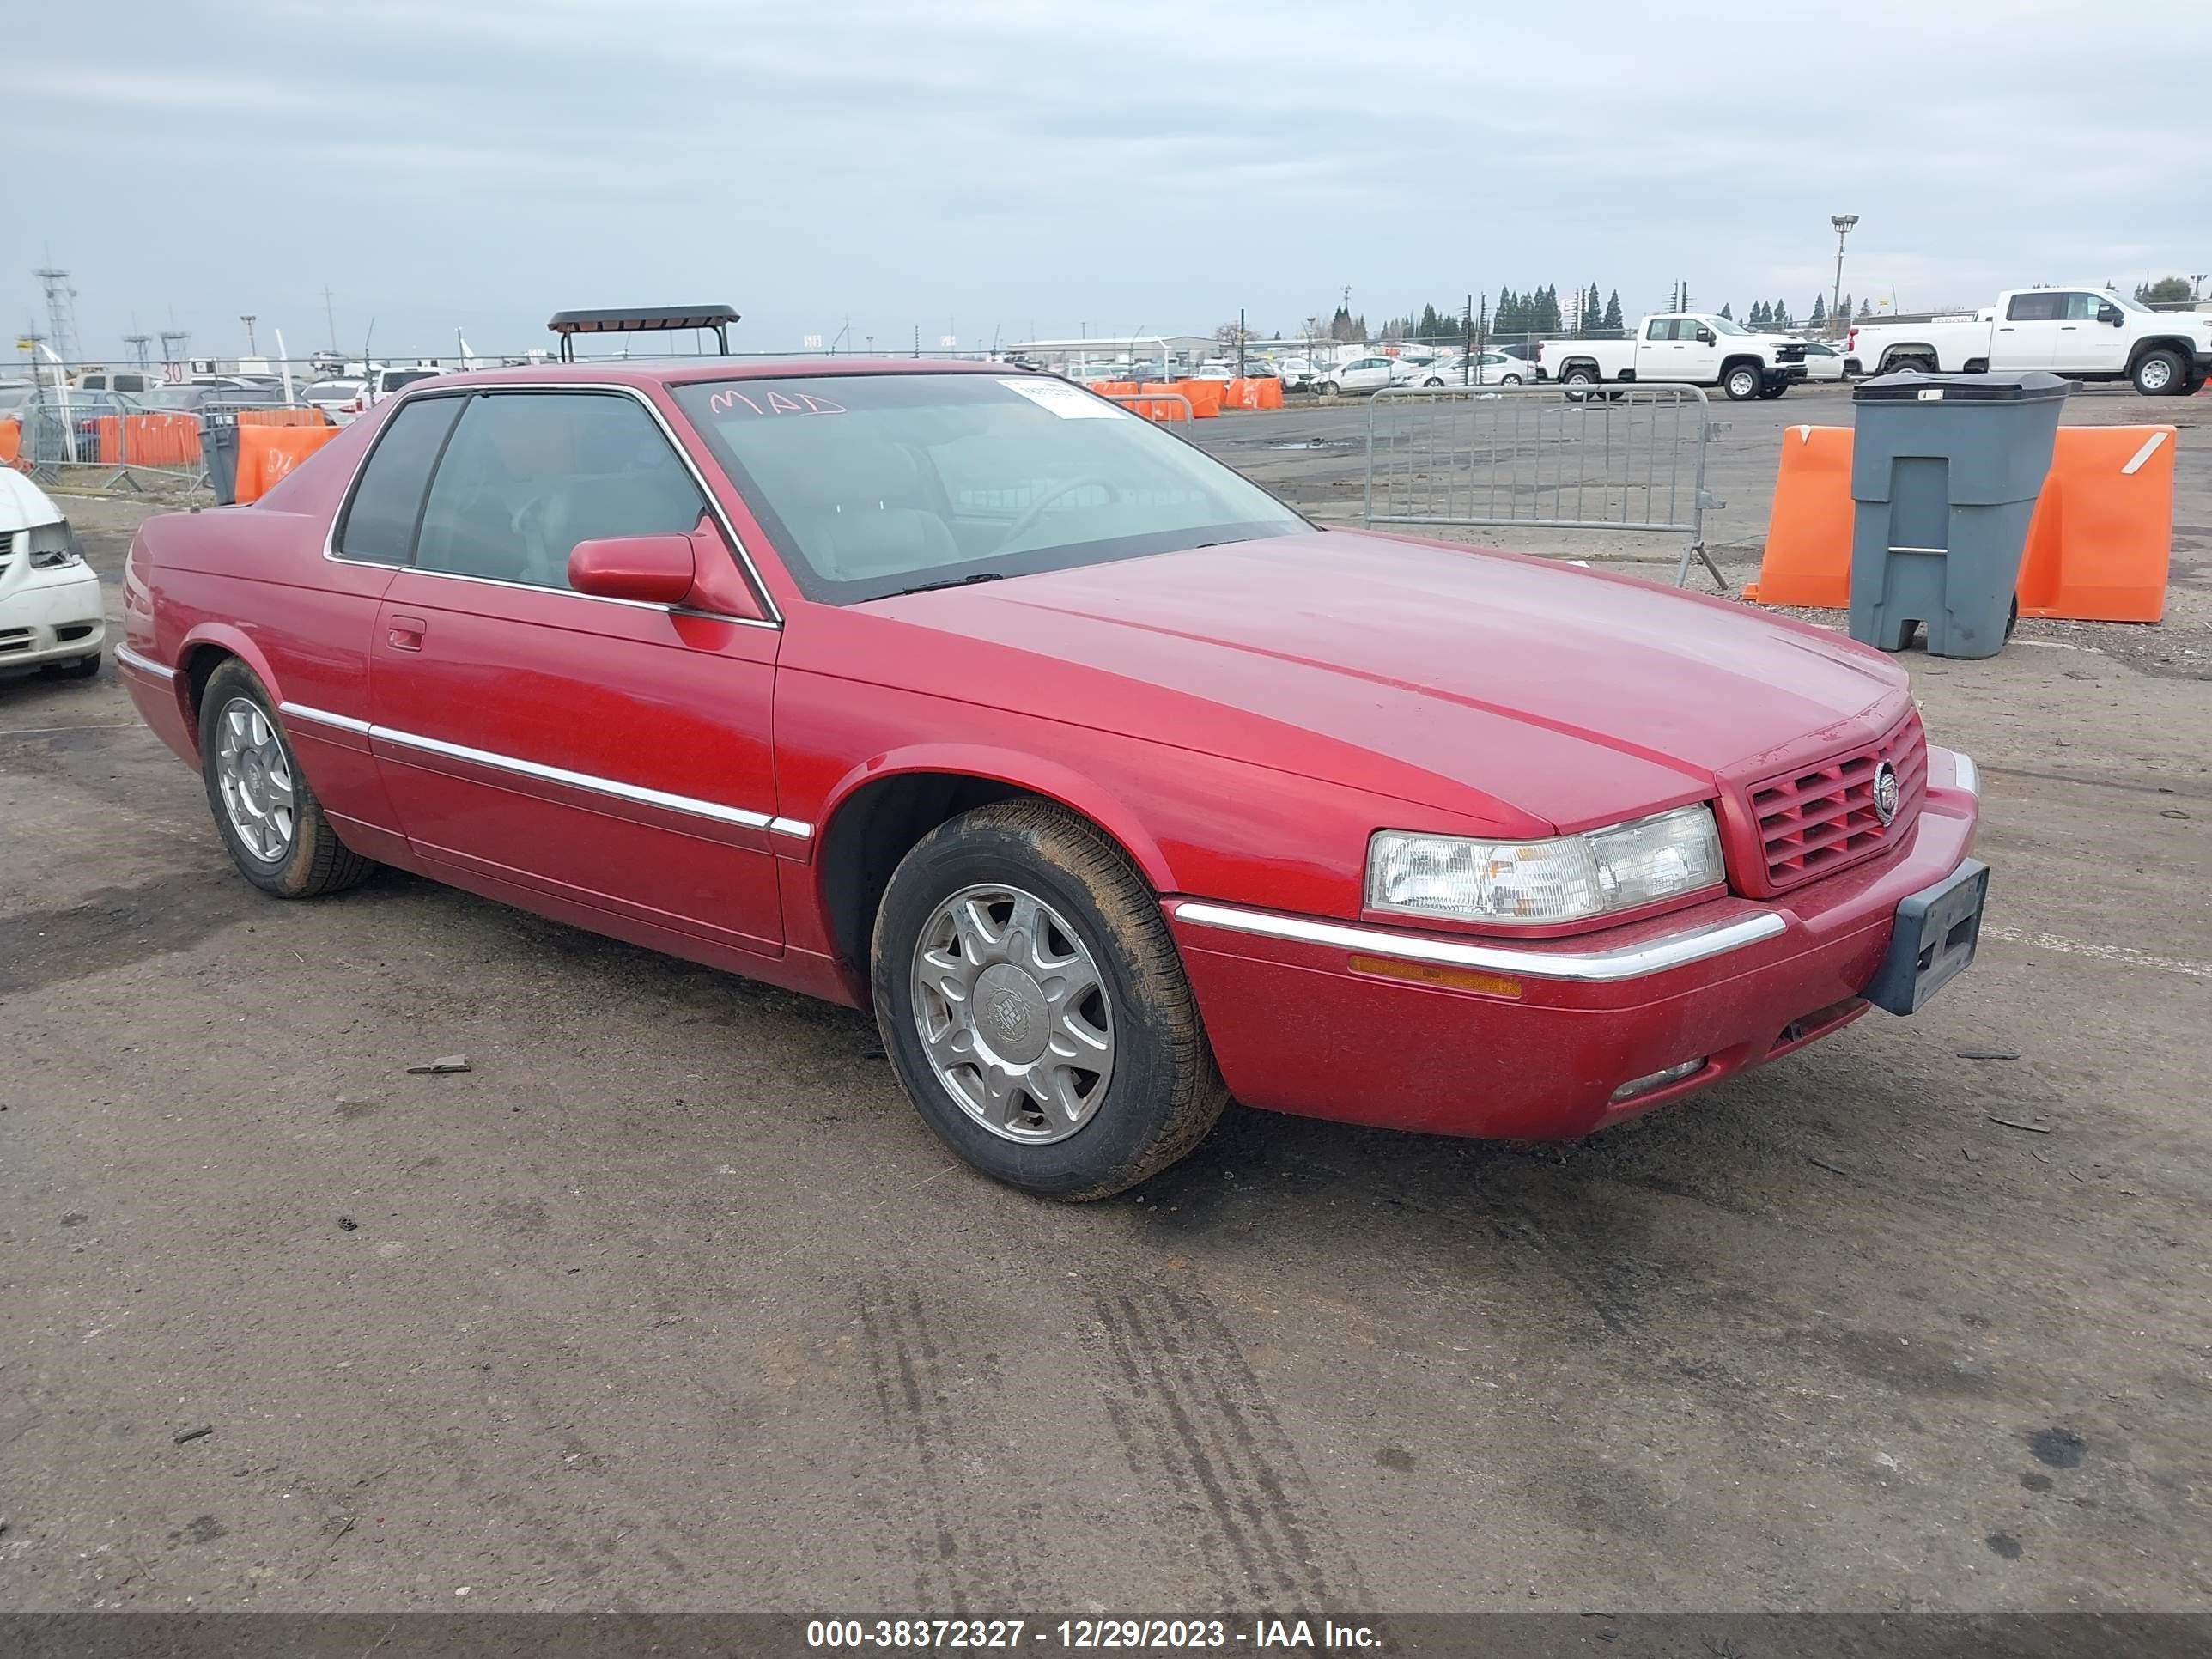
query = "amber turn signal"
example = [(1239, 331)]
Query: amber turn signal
[(1426, 973)]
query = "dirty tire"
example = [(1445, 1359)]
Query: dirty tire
[(1165, 1091), (2159, 375), (317, 862)]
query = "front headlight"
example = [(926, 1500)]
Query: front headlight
[(1527, 884), (53, 546)]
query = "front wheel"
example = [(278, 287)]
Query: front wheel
[(1508, 380), (1326, 388), (265, 810), (2159, 373), (1033, 1003), (1741, 383)]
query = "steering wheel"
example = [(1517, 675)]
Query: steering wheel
[(1027, 522)]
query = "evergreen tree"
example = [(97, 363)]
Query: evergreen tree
[(1843, 311), (1726, 312), (1612, 312), (1547, 310), (1779, 317), (1758, 318), (1866, 307), (1592, 309), (1820, 317)]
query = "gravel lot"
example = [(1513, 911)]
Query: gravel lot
[(671, 1303)]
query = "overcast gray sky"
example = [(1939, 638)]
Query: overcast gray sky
[(999, 165)]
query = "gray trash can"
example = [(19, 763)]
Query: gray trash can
[(219, 450), (1945, 472)]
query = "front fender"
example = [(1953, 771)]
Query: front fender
[(1036, 773)]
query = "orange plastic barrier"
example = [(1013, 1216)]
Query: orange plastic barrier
[(1809, 534), (2101, 541), (266, 453), (282, 417), (11, 441), (1271, 392), (2098, 547), (1205, 397), (1159, 402), (1116, 388)]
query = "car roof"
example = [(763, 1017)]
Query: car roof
[(682, 370)]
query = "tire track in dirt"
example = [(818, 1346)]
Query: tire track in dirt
[(1203, 1442), (955, 1530)]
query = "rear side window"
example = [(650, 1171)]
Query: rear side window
[(379, 526), (2043, 308), (530, 474)]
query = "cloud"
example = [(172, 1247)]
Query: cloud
[(1013, 164)]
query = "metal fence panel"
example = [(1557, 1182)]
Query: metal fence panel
[(1624, 457)]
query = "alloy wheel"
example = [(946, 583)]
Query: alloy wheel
[(255, 776), (1013, 1013)]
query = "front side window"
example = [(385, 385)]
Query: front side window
[(871, 484), (528, 475), (2080, 307), (378, 525)]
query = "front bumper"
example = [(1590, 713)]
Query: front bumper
[(1297, 1027), (49, 616)]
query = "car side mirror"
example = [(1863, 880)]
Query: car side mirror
[(652, 569), (1705, 336), (2112, 314)]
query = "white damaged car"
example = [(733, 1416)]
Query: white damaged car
[(50, 608)]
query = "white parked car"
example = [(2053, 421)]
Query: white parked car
[(1360, 374), (336, 398), (1823, 361), (50, 608), (1296, 372), (1484, 368), (2084, 333)]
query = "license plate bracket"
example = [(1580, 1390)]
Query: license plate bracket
[(1934, 940)]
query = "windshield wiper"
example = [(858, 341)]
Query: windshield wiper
[(954, 581)]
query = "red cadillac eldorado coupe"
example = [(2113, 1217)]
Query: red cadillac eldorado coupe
[(1115, 786)]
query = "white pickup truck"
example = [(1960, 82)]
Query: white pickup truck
[(1680, 348), (2083, 333)]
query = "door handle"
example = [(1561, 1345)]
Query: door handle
[(405, 633), (2066, 328)]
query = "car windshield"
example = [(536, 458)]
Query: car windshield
[(1725, 325), (2119, 299), (874, 484), (396, 378)]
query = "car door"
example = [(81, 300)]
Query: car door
[(2087, 344), (2027, 334), (1699, 351), (1659, 354), (596, 754)]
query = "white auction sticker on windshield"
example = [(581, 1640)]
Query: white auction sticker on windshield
[(1069, 403)]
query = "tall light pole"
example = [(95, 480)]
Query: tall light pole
[(1842, 222), (252, 350)]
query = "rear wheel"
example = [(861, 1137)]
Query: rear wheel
[(2159, 373), (1909, 360), (264, 810), (1741, 383), (1326, 388), (1033, 1003), (1577, 381)]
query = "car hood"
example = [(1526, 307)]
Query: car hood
[(23, 504), (1460, 677)]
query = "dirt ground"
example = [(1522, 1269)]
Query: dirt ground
[(670, 1302)]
